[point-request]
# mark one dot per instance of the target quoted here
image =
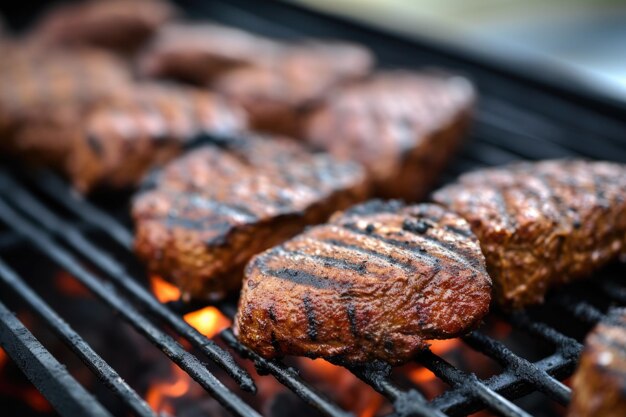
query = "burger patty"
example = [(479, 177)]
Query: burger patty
[(402, 126), (198, 52), (376, 282), (121, 25), (205, 214), (278, 94), (599, 384), (40, 88), (114, 141), (121, 140), (542, 224)]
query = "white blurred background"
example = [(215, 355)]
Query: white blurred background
[(581, 38)]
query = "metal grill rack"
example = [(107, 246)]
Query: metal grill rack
[(516, 119)]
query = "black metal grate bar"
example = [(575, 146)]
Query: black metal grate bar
[(57, 189), (471, 384), (118, 274), (109, 295), (282, 373), (405, 403), (567, 345), (580, 309), (286, 376), (44, 371), (521, 367), (90, 358)]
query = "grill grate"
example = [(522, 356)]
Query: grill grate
[(515, 120)]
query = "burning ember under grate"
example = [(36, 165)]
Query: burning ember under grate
[(514, 365)]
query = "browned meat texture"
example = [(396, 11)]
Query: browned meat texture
[(599, 385), (80, 113), (41, 90), (119, 141), (121, 25), (376, 282), (542, 224), (278, 95), (212, 209), (402, 126), (199, 52)]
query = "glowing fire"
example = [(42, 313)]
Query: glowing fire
[(208, 321), (163, 290), (161, 394), (68, 285), (351, 392), (424, 378), (3, 358), (29, 394)]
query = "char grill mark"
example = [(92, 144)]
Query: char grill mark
[(561, 221), (310, 316), (212, 209), (415, 250), (304, 278), (326, 261), (356, 294), (397, 125), (390, 260), (351, 312)]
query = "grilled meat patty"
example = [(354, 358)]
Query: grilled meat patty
[(599, 385), (376, 282), (278, 94), (402, 126), (121, 25), (42, 89), (119, 141), (542, 224), (206, 213), (198, 52)]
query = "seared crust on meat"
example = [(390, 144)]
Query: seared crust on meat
[(599, 385), (121, 25), (212, 209), (98, 138), (199, 52), (377, 282), (40, 92), (278, 93), (119, 141), (402, 126), (542, 224)]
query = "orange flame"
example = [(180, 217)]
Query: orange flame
[(3, 358), (29, 395), (351, 392), (423, 377), (161, 394), (208, 321), (163, 290), (68, 285), (36, 400), (441, 347)]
